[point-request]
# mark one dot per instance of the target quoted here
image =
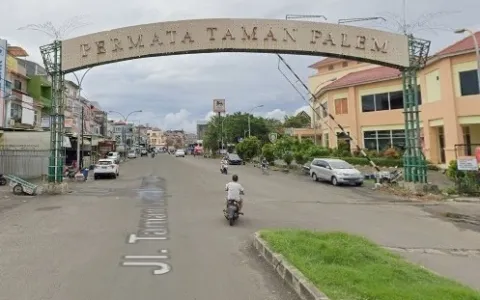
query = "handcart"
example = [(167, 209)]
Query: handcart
[(21, 186)]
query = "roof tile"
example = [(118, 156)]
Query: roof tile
[(16, 51), (463, 45), (364, 76), (324, 62)]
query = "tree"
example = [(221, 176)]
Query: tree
[(298, 121), (283, 145), (248, 148), (235, 126)]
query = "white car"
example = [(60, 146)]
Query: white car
[(336, 171), (115, 156), (106, 168), (132, 154), (180, 153)]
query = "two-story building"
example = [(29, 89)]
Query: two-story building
[(156, 138), (21, 111), (367, 101)]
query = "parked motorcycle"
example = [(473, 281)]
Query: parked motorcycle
[(224, 169), (3, 180)]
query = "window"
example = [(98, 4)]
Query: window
[(345, 64), (381, 102), (469, 83), (396, 100), (382, 139), (330, 67), (385, 101), (341, 106), (17, 84), (324, 109), (16, 112), (398, 139), (368, 103), (326, 141)]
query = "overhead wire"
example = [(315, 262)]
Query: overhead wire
[(325, 110)]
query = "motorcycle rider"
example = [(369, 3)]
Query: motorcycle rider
[(264, 163), (223, 162), (234, 191)]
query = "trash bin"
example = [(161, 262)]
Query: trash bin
[(85, 173)]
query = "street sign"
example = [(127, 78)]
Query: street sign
[(272, 136), (219, 105)]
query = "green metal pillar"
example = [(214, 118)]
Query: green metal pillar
[(415, 166), (52, 58)]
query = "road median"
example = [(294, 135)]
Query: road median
[(338, 266)]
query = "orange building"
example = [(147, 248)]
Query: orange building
[(367, 100)]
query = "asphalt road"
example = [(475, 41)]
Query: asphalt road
[(85, 245)]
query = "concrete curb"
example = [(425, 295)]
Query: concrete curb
[(304, 288)]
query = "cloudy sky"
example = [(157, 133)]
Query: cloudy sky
[(174, 92)]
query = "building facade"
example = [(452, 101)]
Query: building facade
[(201, 129), (21, 111), (368, 102), (156, 138)]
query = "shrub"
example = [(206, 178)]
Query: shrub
[(381, 162), (391, 153), (268, 151), (316, 151), (300, 157), (288, 158)]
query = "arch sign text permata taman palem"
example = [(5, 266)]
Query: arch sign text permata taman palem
[(235, 35)]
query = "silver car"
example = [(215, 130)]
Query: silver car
[(336, 171)]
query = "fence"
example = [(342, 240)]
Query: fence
[(26, 164), (467, 172)]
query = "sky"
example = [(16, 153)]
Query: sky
[(174, 92)]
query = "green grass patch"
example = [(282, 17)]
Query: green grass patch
[(349, 267)]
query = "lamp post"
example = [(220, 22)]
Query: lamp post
[(125, 119), (314, 115), (80, 116), (477, 50), (249, 113), (224, 118)]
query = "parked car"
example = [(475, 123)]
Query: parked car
[(180, 153), (306, 168), (115, 156), (132, 154), (143, 152), (336, 171), (106, 168), (234, 159)]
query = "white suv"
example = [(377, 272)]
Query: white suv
[(115, 156), (336, 171), (106, 168)]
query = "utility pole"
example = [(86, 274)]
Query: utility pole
[(82, 134)]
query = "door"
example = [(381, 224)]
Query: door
[(441, 144), (323, 170)]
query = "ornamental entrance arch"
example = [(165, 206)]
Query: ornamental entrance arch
[(236, 35)]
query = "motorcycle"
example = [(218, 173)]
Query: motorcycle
[(3, 180), (153, 154), (231, 212), (224, 168)]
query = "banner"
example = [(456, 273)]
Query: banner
[(12, 64)]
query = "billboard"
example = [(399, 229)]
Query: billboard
[(219, 105)]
